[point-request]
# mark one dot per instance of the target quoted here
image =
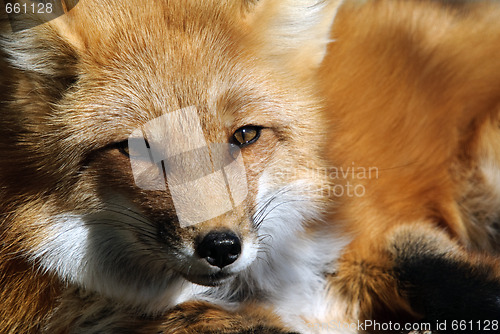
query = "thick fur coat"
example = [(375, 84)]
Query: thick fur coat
[(408, 90)]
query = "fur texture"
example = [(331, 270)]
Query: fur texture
[(411, 88), (84, 248)]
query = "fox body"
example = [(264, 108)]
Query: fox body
[(97, 239), (412, 88), (84, 235)]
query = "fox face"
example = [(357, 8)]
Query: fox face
[(158, 156), (146, 154)]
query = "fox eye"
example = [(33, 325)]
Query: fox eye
[(247, 135), (123, 148)]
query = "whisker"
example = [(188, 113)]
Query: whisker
[(262, 219)]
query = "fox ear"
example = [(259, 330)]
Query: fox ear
[(41, 43), (67, 26), (294, 32), (42, 51)]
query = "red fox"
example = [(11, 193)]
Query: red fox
[(152, 154), (169, 166)]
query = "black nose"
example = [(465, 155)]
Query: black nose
[(219, 248)]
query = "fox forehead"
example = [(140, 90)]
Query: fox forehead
[(134, 70), (140, 61), (91, 23), (124, 100)]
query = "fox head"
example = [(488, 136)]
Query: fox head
[(145, 144)]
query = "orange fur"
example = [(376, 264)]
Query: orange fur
[(93, 248), (411, 87)]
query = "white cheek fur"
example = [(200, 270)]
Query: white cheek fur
[(296, 260), (285, 264), (65, 249), (101, 253), (105, 259), (291, 263)]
